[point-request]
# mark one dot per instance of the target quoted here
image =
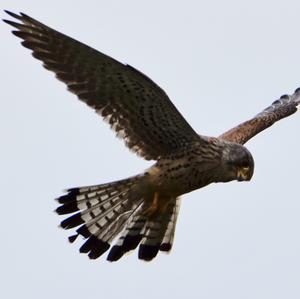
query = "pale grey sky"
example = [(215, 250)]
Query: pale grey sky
[(220, 62)]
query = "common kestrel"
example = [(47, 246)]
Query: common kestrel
[(141, 210)]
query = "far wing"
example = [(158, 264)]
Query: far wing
[(137, 109), (284, 107)]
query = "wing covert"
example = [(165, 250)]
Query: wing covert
[(137, 109)]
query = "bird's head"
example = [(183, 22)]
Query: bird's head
[(238, 163)]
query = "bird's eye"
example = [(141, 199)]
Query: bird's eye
[(245, 164)]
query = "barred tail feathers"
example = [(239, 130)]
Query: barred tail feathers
[(159, 232), (154, 234), (104, 211)]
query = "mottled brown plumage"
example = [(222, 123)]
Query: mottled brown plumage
[(141, 210), (281, 108)]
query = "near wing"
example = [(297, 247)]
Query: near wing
[(135, 107), (279, 109)]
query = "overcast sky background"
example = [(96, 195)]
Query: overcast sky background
[(220, 62)]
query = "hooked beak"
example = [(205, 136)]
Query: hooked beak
[(244, 174)]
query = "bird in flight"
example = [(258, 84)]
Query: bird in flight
[(141, 210)]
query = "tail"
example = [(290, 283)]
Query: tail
[(118, 208)]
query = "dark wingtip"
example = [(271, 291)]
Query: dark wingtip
[(9, 12), (297, 90), (12, 14), (284, 96), (9, 22), (276, 102)]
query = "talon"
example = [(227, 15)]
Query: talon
[(157, 206), (153, 208)]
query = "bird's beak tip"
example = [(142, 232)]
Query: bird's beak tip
[(244, 174)]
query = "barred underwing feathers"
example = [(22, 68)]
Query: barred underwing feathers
[(128, 100)]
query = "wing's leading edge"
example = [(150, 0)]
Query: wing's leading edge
[(136, 108)]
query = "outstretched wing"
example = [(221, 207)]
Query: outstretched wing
[(136, 108), (285, 106)]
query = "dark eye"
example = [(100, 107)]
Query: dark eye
[(244, 164)]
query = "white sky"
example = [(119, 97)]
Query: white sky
[(220, 62)]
